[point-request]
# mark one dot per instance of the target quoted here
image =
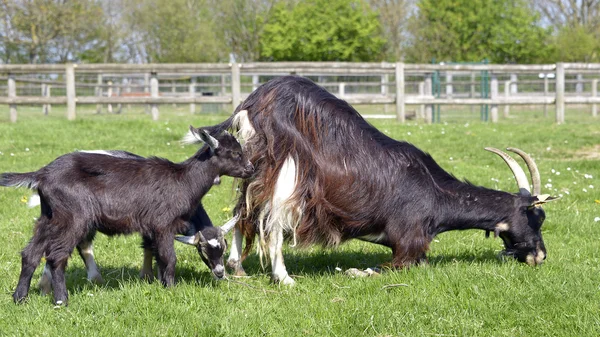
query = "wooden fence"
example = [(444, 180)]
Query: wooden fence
[(397, 84)]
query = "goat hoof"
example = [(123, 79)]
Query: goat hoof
[(149, 277), (286, 280), (236, 268), (96, 278), (18, 298), (60, 303)]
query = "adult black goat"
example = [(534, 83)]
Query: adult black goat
[(83, 192), (326, 175)]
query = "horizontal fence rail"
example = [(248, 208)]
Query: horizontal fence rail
[(423, 85)]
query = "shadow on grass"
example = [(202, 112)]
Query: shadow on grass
[(325, 262)]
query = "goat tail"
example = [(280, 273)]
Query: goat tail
[(28, 180)]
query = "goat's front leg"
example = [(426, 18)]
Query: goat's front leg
[(165, 259), (279, 272), (235, 254)]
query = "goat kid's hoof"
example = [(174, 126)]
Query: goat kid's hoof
[(236, 268), (60, 303), (19, 299)]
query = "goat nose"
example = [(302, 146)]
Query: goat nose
[(250, 167), (219, 271)]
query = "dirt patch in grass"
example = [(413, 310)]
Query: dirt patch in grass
[(592, 152)]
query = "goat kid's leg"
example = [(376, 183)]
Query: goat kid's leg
[(146, 272), (166, 259), (278, 270), (30, 258), (234, 261), (59, 285), (86, 251)]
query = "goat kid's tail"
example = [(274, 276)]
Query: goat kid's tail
[(28, 180)]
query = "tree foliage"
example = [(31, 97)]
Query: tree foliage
[(502, 31), (323, 30)]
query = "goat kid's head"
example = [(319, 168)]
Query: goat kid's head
[(521, 233), (231, 160), (211, 245)]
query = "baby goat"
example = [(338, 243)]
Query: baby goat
[(210, 242), (81, 193)]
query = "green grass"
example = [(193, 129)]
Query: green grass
[(464, 291)]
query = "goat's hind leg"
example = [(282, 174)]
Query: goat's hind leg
[(165, 258), (30, 258)]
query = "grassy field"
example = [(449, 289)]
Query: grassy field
[(466, 290)]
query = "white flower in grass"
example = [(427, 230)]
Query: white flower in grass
[(548, 185), (596, 219), (591, 186), (12, 154), (443, 132), (549, 180), (26, 149), (574, 183), (408, 133), (584, 190), (557, 173), (1, 154), (466, 125), (548, 148), (568, 169), (560, 195), (553, 171), (168, 143), (588, 176), (567, 192), (566, 142)]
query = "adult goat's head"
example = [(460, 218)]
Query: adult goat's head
[(521, 233)]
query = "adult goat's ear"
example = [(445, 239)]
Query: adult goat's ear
[(541, 199)]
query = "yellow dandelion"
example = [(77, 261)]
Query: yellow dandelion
[(24, 199), (226, 209), (597, 201)]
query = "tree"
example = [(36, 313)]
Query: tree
[(393, 16), (323, 30), (502, 31), (38, 31), (174, 31)]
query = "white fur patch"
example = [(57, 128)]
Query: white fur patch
[(502, 227), (374, 237), (34, 200), (242, 123), (214, 243), (104, 152)]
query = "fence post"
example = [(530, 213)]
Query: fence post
[(515, 86), (421, 110), (428, 92), (154, 94), (494, 96), (255, 82), (506, 96), (109, 92), (99, 93), (146, 88), (385, 79), (236, 91), (70, 78), (594, 94), (560, 93), (192, 95), (48, 107), (12, 93), (472, 90), (128, 91), (118, 94), (341, 89), (174, 92), (449, 87), (44, 106), (546, 94), (400, 115)]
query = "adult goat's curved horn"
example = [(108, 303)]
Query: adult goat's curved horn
[(517, 171), (230, 224), (533, 170)]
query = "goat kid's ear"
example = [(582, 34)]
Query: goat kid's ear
[(193, 240), (541, 199), (203, 135)]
